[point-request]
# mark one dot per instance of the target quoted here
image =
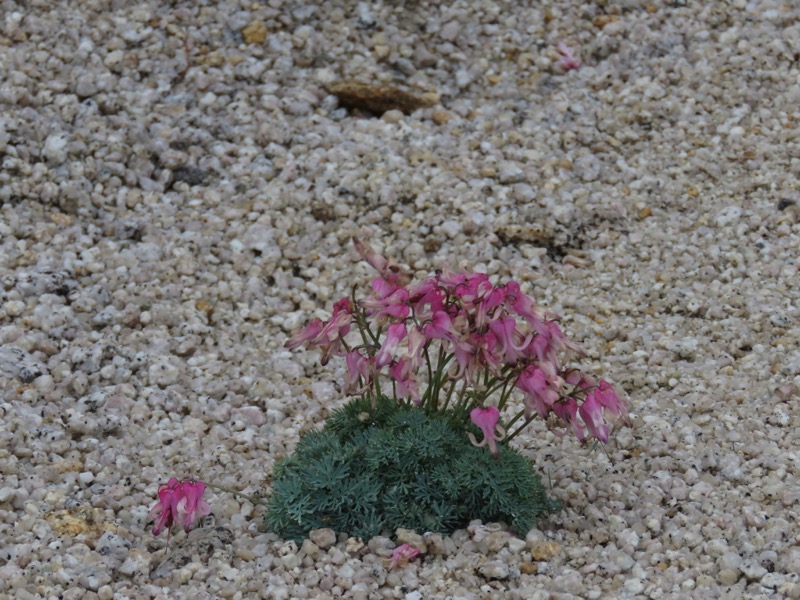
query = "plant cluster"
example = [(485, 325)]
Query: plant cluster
[(377, 467), (432, 366)]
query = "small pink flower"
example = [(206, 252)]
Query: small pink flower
[(192, 506), (511, 340), (486, 419), (609, 400), (591, 412), (307, 335), (359, 368), (394, 335), (440, 327), (416, 346), (567, 60), (388, 270), (393, 305), (540, 392), (181, 503), (402, 554), (601, 407), (567, 411), (406, 384)]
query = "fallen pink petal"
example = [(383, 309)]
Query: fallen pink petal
[(567, 60), (402, 554), (179, 503)]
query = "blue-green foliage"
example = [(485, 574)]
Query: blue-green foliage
[(376, 469)]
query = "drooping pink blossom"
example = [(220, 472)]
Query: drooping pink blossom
[(440, 327), (405, 381), (307, 335), (602, 407), (179, 503), (591, 412), (487, 420), (567, 411), (388, 270), (395, 334), (539, 392), (192, 506), (416, 346), (394, 305), (359, 368), (510, 339)]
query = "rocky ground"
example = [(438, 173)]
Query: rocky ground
[(179, 183)]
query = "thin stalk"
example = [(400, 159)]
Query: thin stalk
[(428, 390), (504, 395), (511, 436), (442, 363), (449, 394)]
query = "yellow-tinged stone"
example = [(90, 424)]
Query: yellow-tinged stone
[(544, 551), (530, 568), (61, 219), (255, 32), (204, 306), (440, 116), (80, 520), (67, 466)]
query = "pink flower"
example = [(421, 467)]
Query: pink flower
[(394, 335), (440, 327), (405, 382), (567, 411), (506, 332), (307, 335), (427, 298), (486, 354), (360, 369), (567, 60), (402, 554), (486, 419), (591, 412), (488, 304), (540, 392), (327, 335), (388, 270), (181, 503), (522, 304), (192, 506), (608, 399), (416, 346), (393, 305), (601, 407)]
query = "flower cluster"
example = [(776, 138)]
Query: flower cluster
[(179, 502), (456, 337)]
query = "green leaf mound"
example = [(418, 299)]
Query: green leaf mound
[(372, 470)]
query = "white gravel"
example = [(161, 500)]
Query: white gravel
[(178, 191)]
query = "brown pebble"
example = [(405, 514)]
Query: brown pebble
[(601, 21), (544, 551), (530, 568), (441, 116), (379, 98), (255, 32)]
